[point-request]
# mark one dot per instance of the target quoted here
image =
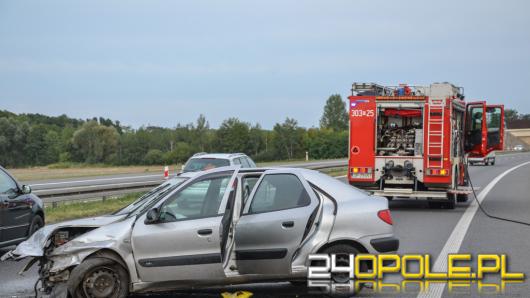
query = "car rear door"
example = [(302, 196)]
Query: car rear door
[(188, 242), (275, 220)]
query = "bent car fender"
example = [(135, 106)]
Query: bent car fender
[(115, 237)]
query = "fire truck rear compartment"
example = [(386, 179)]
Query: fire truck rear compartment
[(399, 131), (399, 147)]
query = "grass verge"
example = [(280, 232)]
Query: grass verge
[(53, 172), (77, 170), (74, 210)]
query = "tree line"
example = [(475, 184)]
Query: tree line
[(514, 120), (36, 140)]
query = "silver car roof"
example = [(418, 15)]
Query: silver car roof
[(339, 190), (218, 155)]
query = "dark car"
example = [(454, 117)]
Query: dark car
[(21, 212)]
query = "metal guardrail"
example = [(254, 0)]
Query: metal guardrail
[(54, 196)]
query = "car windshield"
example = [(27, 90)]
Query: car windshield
[(137, 206), (203, 164)]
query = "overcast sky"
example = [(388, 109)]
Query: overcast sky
[(165, 62)]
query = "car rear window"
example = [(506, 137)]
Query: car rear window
[(203, 164)]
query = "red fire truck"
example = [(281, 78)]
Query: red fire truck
[(414, 141)]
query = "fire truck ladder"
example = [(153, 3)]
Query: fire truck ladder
[(435, 137)]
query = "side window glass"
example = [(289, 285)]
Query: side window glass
[(251, 163), (476, 118), (248, 186), (244, 162), (237, 161), (7, 185), (493, 122), (278, 192), (198, 200)]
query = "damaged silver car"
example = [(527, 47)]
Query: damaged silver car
[(223, 226)]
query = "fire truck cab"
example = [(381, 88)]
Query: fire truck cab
[(413, 141)]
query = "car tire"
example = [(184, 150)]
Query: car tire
[(341, 278), (99, 277), (36, 223), (346, 250)]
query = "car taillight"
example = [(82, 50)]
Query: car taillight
[(385, 216)]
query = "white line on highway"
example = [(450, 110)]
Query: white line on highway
[(457, 236), (100, 179)]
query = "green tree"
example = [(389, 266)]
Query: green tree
[(288, 139), (154, 157), (233, 136), (256, 138), (13, 142), (335, 116), (52, 143), (325, 143), (511, 115), (95, 143), (180, 153), (200, 133)]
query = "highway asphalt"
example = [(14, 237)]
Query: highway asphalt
[(420, 230)]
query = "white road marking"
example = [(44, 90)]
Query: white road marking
[(457, 236), (101, 179)]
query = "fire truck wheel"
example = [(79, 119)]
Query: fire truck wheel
[(434, 205), (451, 201), (461, 198)]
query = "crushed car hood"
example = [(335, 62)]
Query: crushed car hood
[(34, 245)]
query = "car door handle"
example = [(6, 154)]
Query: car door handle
[(204, 232), (288, 224)]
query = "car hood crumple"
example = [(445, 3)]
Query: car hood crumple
[(34, 245)]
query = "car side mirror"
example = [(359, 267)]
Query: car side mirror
[(26, 189), (152, 216)]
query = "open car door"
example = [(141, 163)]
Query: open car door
[(476, 131), (495, 127), (276, 218), (188, 241)]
